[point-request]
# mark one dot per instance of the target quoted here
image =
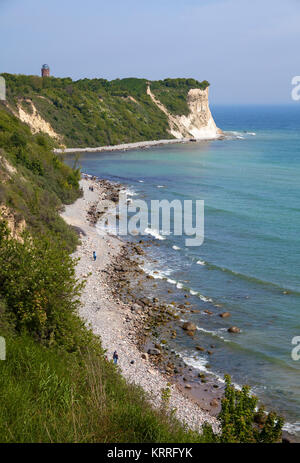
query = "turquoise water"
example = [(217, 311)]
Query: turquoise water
[(249, 263)]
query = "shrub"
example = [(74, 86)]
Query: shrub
[(37, 280), (239, 418)]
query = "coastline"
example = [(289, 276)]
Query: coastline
[(114, 320), (135, 145)]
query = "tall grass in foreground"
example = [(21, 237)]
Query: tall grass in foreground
[(48, 395)]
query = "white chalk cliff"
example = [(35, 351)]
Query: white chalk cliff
[(198, 124)]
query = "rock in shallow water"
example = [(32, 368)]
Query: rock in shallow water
[(189, 326), (234, 329), (224, 314)]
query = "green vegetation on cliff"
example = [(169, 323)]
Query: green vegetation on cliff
[(55, 384), (95, 112)]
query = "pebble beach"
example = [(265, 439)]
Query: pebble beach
[(109, 317)]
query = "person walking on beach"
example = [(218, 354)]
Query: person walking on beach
[(115, 357), (94, 255)]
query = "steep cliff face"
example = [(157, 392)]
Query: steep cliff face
[(199, 123)]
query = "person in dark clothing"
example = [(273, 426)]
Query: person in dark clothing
[(115, 357), (94, 255)]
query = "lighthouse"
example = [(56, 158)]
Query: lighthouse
[(45, 71)]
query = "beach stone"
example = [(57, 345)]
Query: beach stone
[(233, 329), (136, 308), (214, 403), (154, 351), (188, 386), (145, 356), (189, 326), (200, 348), (224, 314)]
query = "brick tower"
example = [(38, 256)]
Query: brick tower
[(45, 70)]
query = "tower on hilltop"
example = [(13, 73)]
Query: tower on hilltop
[(45, 71)]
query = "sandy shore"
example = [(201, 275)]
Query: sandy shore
[(109, 317), (129, 146)]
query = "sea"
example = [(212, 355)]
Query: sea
[(249, 262)]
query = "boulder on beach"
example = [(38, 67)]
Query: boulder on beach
[(189, 326), (214, 403), (154, 351), (145, 356), (136, 308), (233, 329)]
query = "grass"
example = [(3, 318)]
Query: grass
[(48, 395)]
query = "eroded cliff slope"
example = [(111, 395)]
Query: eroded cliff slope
[(198, 123)]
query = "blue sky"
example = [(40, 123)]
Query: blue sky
[(247, 49)]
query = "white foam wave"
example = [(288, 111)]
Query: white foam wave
[(176, 248), (157, 274), (213, 333), (130, 192), (160, 186), (292, 428), (201, 262), (141, 181), (203, 298), (154, 233), (200, 363)]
